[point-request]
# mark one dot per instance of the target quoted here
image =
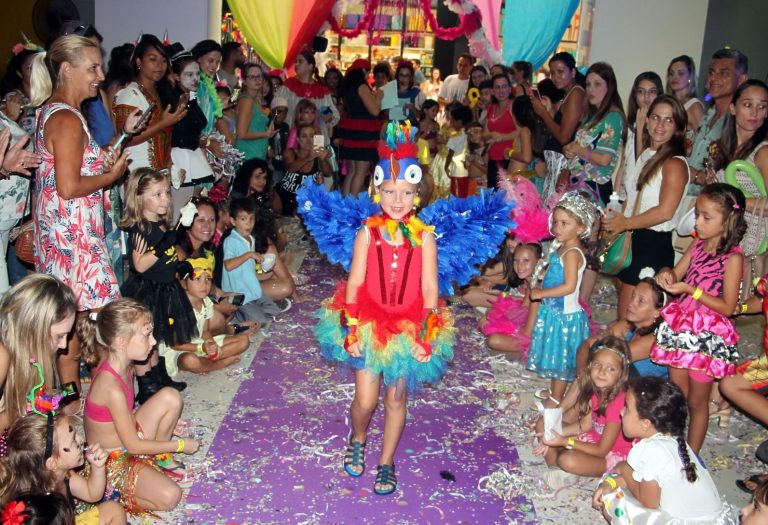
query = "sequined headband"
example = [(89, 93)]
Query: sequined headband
[(576, 204)]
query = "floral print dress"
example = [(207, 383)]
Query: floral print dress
[(69, 233)]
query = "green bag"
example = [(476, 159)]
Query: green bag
[(616, 253)]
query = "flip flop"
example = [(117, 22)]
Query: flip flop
[(542, 394)]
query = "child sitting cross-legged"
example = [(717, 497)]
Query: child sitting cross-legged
[(204, 353), (241, 264)]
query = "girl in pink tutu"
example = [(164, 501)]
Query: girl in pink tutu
[(696, 339), (506, 325)]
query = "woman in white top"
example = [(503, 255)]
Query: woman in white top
[(656, 182), (681, 82)]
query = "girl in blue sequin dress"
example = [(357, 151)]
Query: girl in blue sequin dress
[(561, 323)]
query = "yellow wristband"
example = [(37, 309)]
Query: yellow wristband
[(697, 293), (611, 482), (200, 350), (180, 445), (570, 443), (744, 308)]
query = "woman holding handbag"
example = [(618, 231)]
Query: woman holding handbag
[(656, 182)]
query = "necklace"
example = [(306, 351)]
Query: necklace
[(410, 226)]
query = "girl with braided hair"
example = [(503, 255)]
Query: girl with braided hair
[(662, 480)]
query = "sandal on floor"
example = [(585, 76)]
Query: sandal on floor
[(756, 480), (385, 475), (354, 457)]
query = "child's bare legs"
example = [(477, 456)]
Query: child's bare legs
[(503, 343), (395, 401), (158, 417), (230, 354), (68, 366), (364, 403), (276, 288), (557, 390), (580, 463), (111, 513), (159, 414), (741, 394), (697, 395)]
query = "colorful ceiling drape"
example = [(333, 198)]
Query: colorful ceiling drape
[(532, 30), (278, 29)]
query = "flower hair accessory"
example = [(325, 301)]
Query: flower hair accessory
[(646, 272), (188, 212), (14, 513), (93, 316), (736, 206)]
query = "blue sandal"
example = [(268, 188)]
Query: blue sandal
[(354, 457), (385, 475)]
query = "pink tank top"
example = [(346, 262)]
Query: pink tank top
[(100, 413)]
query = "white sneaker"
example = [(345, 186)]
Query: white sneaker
[(558, 479)]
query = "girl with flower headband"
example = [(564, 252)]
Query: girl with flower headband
[(591, 441), (697, 340), (561, 323), (153, 260), (638, 327), (45, 454), (140, 443), (205, 352), (391, 323)]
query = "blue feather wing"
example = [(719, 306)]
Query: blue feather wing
[(468, 232), (333, 220)]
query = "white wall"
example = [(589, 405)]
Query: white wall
[(635, 36), (188, 21)]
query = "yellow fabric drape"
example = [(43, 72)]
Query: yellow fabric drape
[(267, 26)]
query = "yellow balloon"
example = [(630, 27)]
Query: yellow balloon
[(473, 95)]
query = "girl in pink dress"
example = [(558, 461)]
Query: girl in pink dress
[(696, 339)]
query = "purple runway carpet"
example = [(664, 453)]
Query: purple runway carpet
[(277, 456)]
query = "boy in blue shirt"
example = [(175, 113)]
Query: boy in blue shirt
[(240, 265)]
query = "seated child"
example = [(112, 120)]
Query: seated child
[(476, 158), (204, 353), (498, 276), (276, 281), (139, 442), (662, 480), (592, 441), (240, 266), (44, 455), (507, 324)]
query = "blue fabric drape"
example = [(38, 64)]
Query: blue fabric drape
[(533, 28)]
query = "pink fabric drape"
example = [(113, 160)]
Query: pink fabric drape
[(490, 9)]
